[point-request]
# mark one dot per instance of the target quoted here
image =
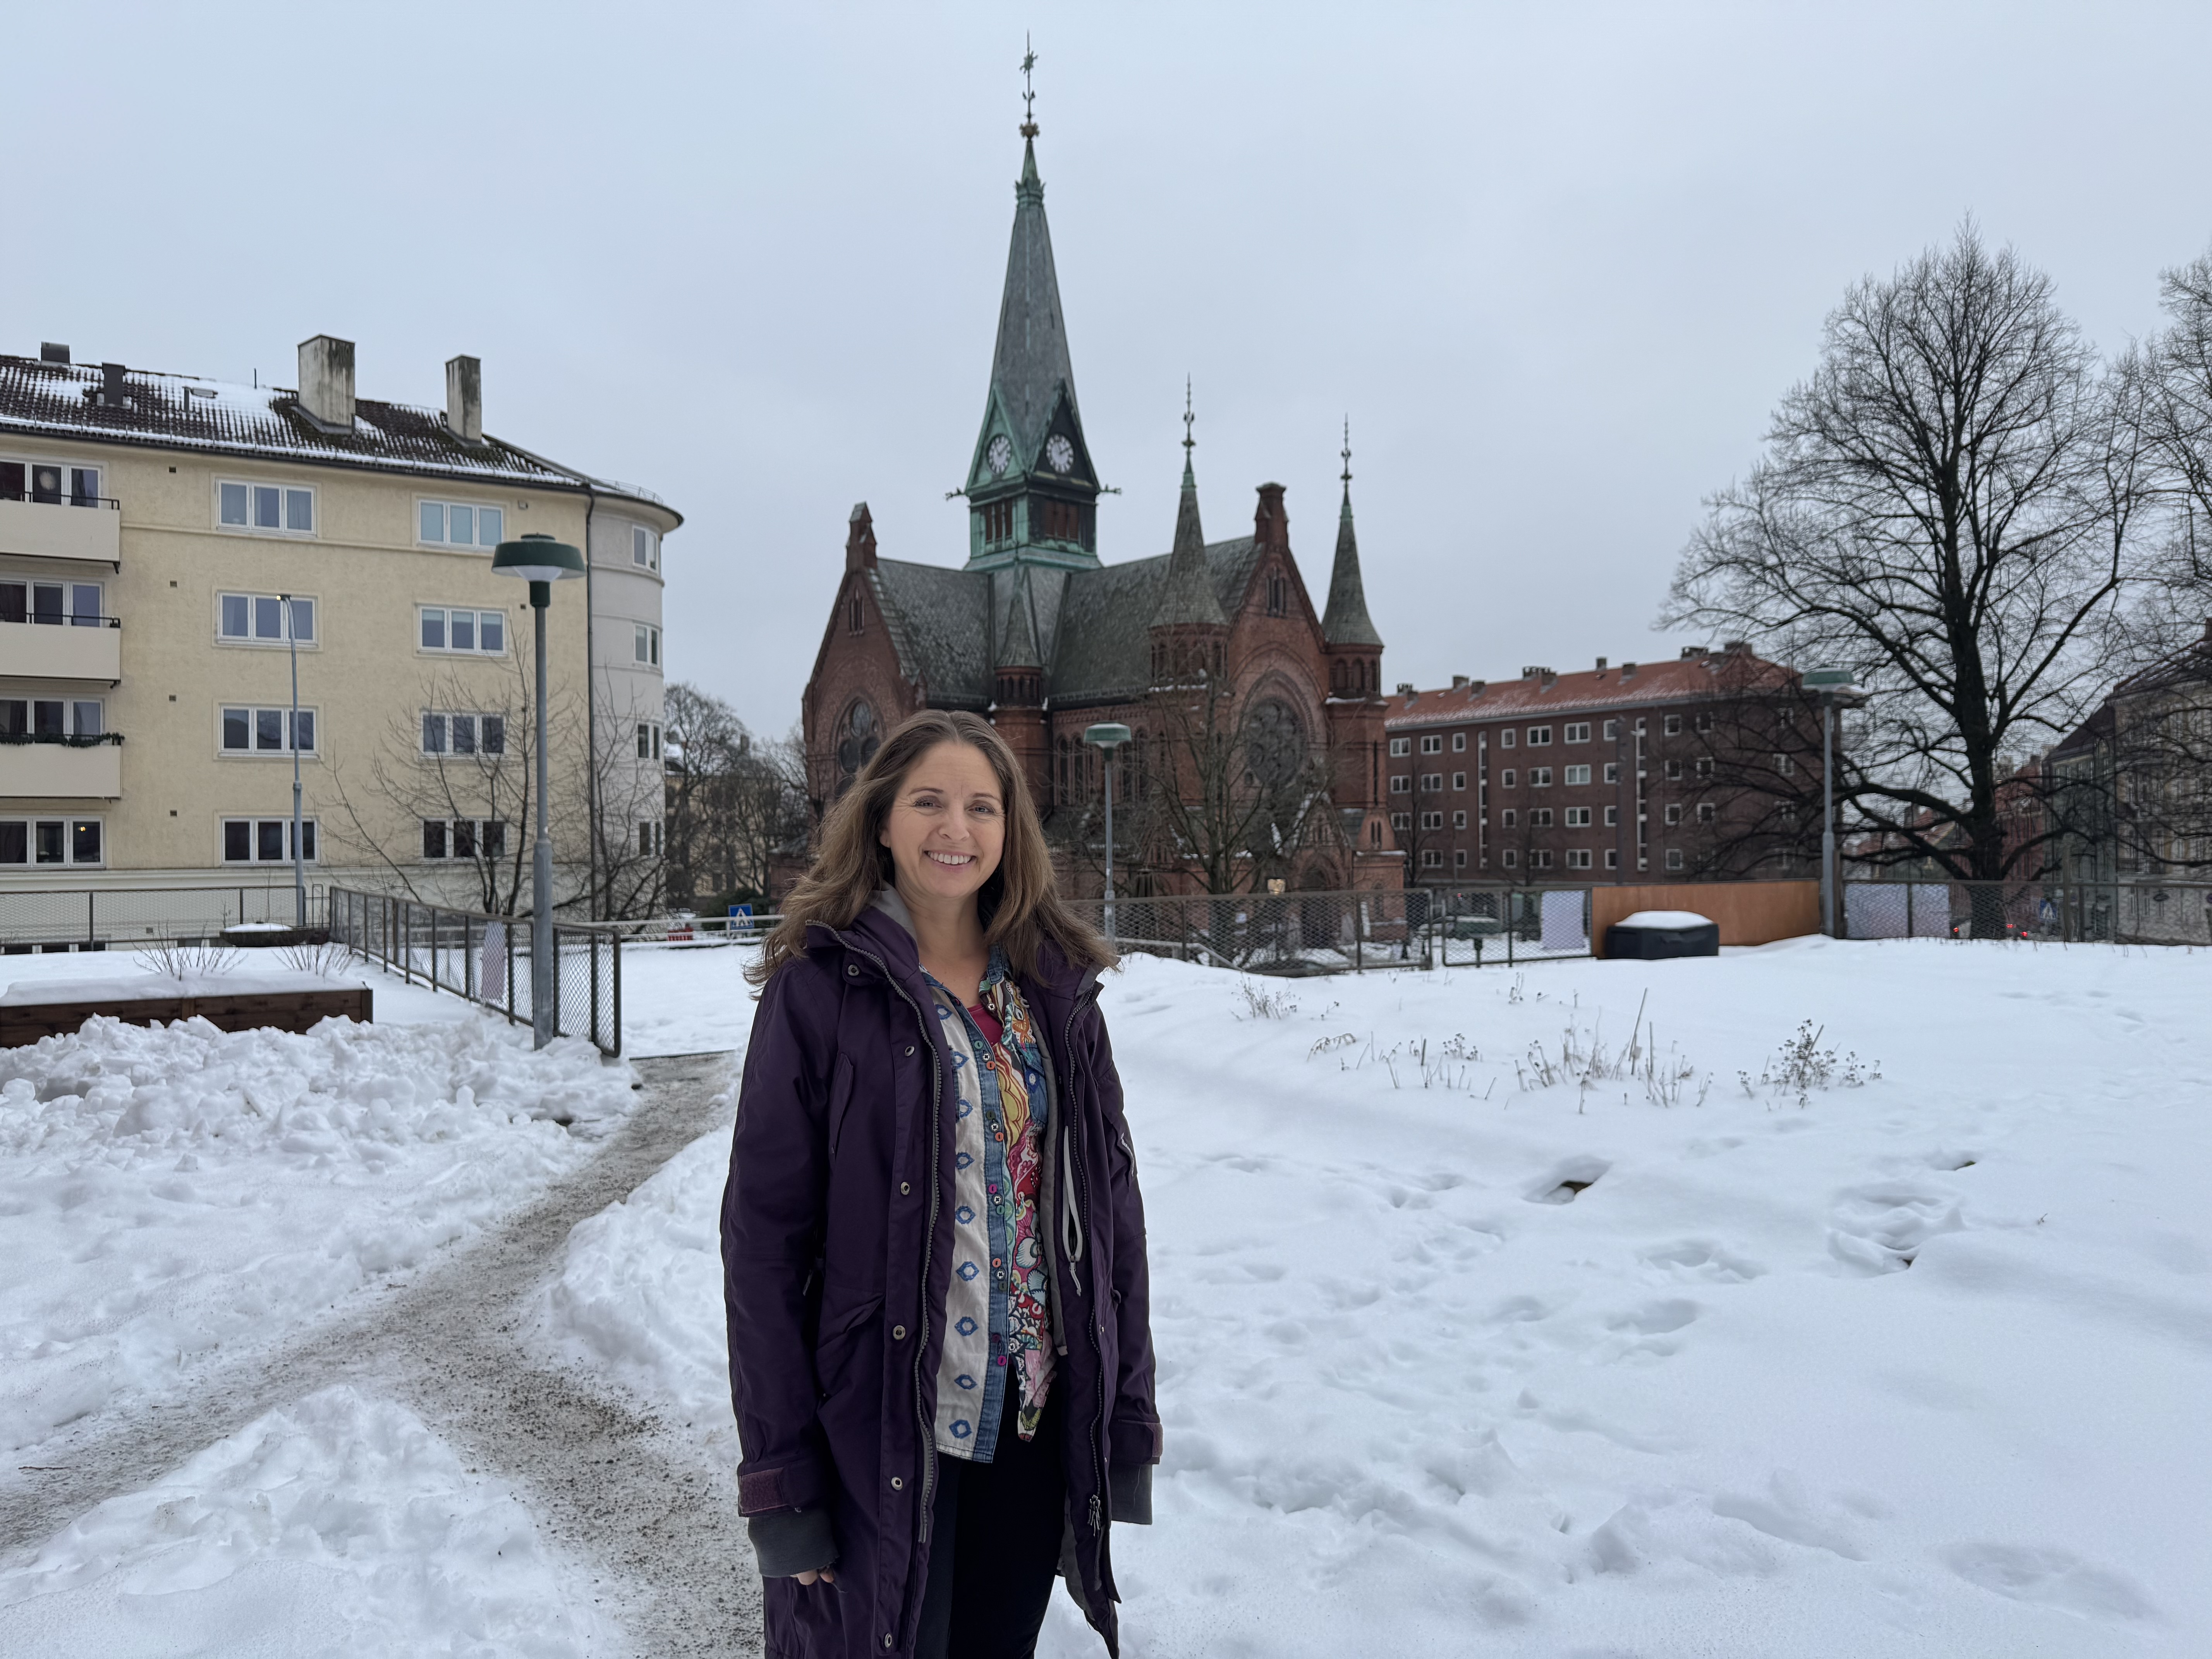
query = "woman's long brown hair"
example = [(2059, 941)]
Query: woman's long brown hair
[(1019, 903)]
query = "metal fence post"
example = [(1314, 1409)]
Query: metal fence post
[(616, 1034)]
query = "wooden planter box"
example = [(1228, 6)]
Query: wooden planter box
[(262, 1000)]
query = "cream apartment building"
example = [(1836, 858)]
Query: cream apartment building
[(166, 542)]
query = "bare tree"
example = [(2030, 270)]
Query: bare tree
[(735, 801), (630, 778), (1228, 787), (1950, 507)]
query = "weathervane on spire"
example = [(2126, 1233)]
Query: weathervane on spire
[(1347, 453), (1028, 92), (1190, 443)]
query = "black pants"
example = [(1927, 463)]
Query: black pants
[(995, 1545)]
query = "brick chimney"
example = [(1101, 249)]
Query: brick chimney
[(1271, 524), (327, 381), (464, 399), (860, 539)]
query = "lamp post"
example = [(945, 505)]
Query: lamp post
[(1834, 689), (299, 853), (1106, 739), (540, 560)]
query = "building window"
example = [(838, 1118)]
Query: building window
[(1401, 820), (1786, 766), (265, 509), (77, 721), (1433, 781), (52, 840), (464, 838), (1400, 784), (42, 481), (1673, 858), (1541, 858), (1539, 736), (1611, 730), (1578, 858), (1705, 766), (1539, 817), (1401, 746), (648, 740), (443, 630), (1674, 726), (1612, 771), (1706, 812), (265, 841), (1613, 817), (1577, 774), (1613, 858), (1459, 820), (1459, 858), (644, 547), (1458, 743), (647, 645), (459, 524), (1675, 812), (52, 605), (1540, 777), (1704, 723), (1434, 744), (648, 839), (258, 619), (1674, 771), (1578, 818), (1279, 597), (1505, 738), (856, 615), (1509, 858), (249, 731), (1459, 780), (446, 732), (1432, 820), (1577, 732), (1505, 778), (1432, 858), (1507, 818)]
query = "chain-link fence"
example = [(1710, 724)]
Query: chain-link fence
[(101, 918), (486, 959), (1333, 933), (2137, 912)]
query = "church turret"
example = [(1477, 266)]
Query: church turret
[(1032, 492), (1354, 651), (1188, 628), (1017, 675)]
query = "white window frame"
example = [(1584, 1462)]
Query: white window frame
[(1400, 747), (476, 751), (1541, 858), (1539, 817), (1458, 743), (1459, 820), (1578, 858), (1612, 771), (1506, 777), (1459, 780), (1432, 858), (1540, 737), (1505, 737), (1673, 858), (1402, 783), (449, 839), (1432, 744), (287, 497), (1432, 820), (287, 614), (650, 737), (644, 547), (1672, 726), (1509, 857), (1578, 818), (1673, 814), (1507, 818), (1611, 730), (646, 650), (70, 823), (72, 709), (445, 613), (1540, 777), (311, 838), (1401, 820), (253, 712), (1576, 732), (1577, 774), (445, 504)]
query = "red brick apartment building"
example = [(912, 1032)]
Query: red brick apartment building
[(1709, 765)]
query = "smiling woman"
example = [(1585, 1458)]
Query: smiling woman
[(940, 1352)]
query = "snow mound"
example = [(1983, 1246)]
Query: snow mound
[(1665, 919), (168, 1191), (340, 1525)]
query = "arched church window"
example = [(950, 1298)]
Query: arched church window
[(1274, 743), (857, 739), (854, 615)]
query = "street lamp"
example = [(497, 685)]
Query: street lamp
[(540, 560), (1107, 737), (1833, 687)]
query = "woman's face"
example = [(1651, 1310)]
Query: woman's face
[(947, 825)]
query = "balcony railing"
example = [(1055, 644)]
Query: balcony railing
[(48, 766), (41, 648), (30, 528)]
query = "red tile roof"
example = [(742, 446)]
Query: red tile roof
[(1685, 679)]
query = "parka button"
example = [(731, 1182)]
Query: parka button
[(904, 1188), (898, 1335), (887, 1639), (909, 1048), (897, 1484), (852, 969)]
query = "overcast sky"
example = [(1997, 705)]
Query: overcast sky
[(1556, 269)]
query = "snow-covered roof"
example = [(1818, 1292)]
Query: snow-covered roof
[(1699, 677), (183, 412)]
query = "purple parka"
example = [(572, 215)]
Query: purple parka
[(836, 1253)]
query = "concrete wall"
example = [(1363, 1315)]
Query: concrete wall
[(1748, 912)]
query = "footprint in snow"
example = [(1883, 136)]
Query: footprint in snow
[(1881, 1228), (1702, 1260), (2051, 1578), (1566, 1181)]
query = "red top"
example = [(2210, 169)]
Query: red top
[(989, 1023)]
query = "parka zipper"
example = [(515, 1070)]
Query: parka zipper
[(928, 1238), (1090, 1314)]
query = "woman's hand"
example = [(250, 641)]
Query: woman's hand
[(827, 1574)]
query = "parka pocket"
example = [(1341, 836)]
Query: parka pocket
[(841, 1099), (832, 1353)]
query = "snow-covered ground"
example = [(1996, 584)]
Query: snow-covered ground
[(1471, 1343)]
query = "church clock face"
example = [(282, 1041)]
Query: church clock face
[(1059, 454), (1000, 456)]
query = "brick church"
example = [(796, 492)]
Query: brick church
[(1258, 720)]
